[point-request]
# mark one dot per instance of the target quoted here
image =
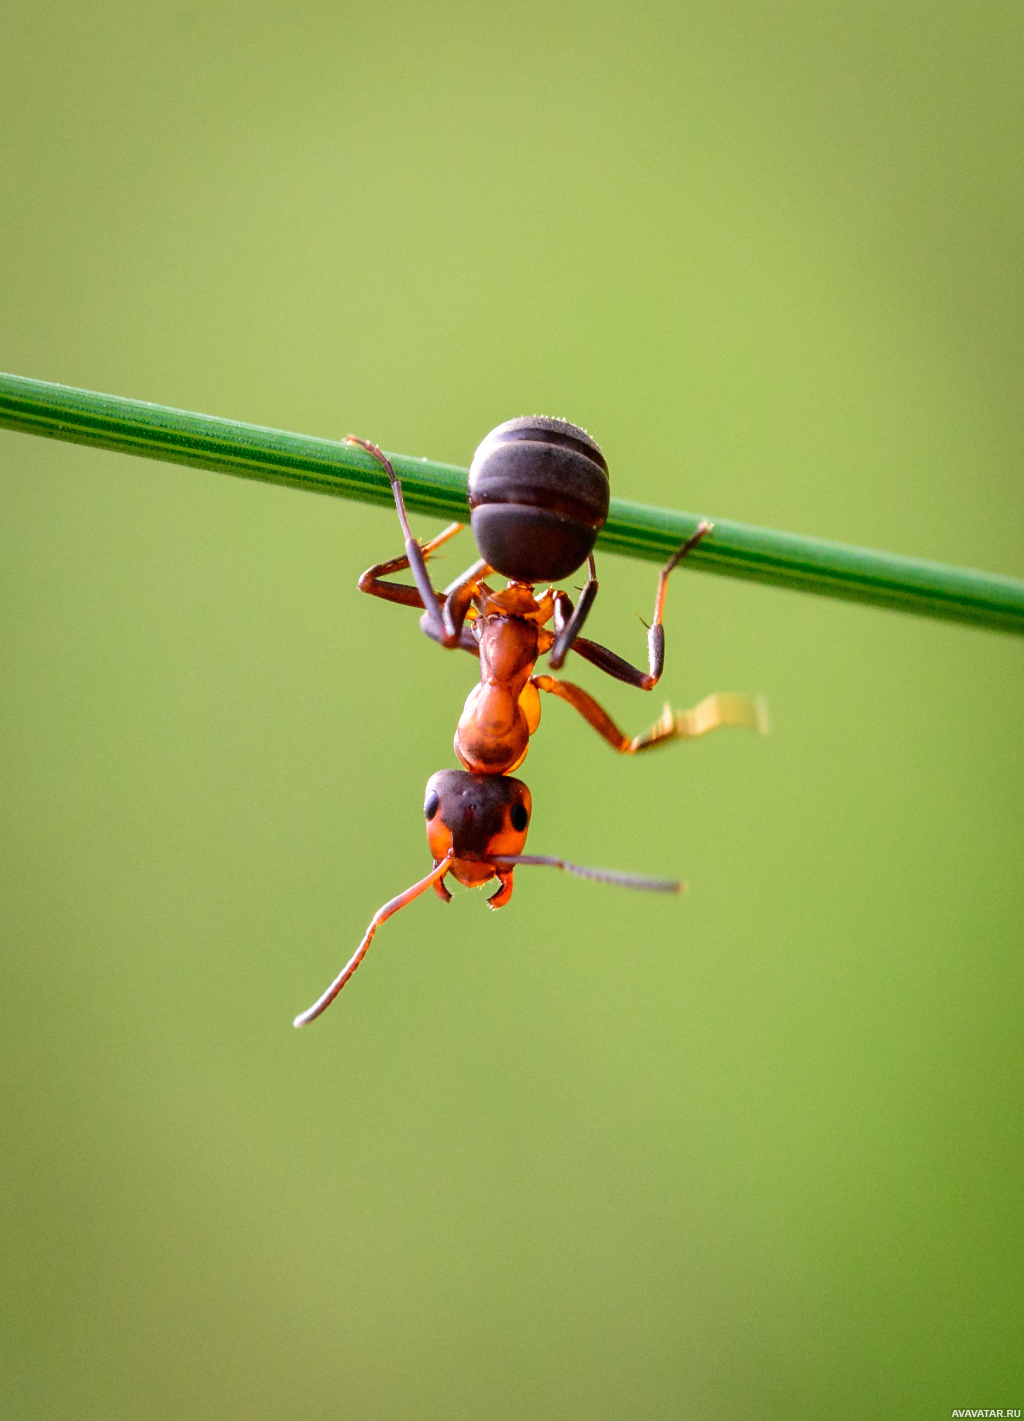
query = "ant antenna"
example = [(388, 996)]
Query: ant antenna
[(380, 916), (600, 875)]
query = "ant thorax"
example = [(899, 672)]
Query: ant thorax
[(518, 600), (503, 710)]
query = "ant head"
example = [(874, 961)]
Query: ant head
[(478, 817), (539, 492)]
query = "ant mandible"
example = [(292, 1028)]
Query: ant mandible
[(539, 495)]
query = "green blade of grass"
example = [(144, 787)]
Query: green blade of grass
[(634, 530)]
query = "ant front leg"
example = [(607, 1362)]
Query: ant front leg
[(413, 552), (443, 614), (456, 601), (617, 666)]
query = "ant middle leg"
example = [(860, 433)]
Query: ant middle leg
[(725, 708), (617, 666), (569, 620)]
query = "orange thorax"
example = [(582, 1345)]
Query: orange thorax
[(503, 711)]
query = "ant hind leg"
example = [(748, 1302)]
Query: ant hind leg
[(715, 712)]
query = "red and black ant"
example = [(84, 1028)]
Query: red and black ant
[(539, 495)]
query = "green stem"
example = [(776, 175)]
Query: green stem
[(633, 529)]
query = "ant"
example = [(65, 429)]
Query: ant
[(539, 495)]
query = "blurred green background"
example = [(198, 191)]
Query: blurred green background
[(753, 1153)]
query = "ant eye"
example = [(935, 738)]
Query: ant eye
[(432, 804), (520, 818)]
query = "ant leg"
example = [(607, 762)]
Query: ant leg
[(458, 599), (466, 642), (566, 632), (413, 551), (456, 602), (725, 708), (588, 708), (373, 583), (621, 669), (444, 626)]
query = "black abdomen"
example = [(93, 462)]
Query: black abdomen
[(539, 492)]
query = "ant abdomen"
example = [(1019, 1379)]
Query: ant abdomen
[(538, 488)]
